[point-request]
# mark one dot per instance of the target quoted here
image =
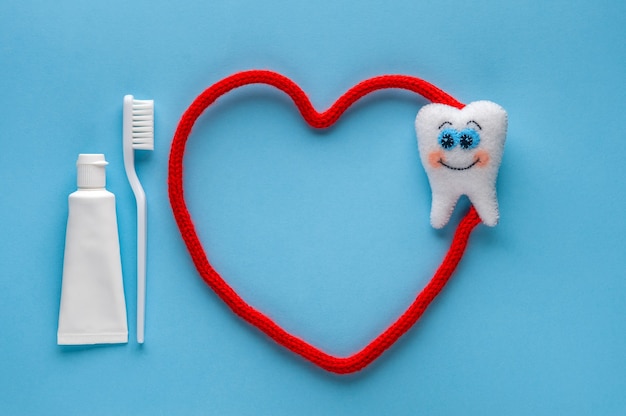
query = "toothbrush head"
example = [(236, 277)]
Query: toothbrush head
[(139, 123)]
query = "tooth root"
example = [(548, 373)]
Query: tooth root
[(487, 207), (442, 208)]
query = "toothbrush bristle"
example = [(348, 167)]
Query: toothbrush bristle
[(143, 124)]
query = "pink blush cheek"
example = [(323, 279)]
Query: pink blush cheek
[(483, 158), (435, 157)]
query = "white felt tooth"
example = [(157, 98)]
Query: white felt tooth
[(458, 169)]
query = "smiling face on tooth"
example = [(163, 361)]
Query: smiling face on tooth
[(461, 151)]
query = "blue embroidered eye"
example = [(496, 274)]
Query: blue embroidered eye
[(448, 138), (468, 139)]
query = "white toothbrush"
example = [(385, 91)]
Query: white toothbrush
[(138, 134)]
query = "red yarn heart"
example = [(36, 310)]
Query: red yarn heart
[(362, 358)]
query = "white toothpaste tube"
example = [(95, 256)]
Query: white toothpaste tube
[(93, 308)]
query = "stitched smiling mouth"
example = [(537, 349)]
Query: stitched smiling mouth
[(454, 168)]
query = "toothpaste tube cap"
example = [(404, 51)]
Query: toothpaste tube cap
[(90, 171)]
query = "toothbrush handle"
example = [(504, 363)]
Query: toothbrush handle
[(141, 264)]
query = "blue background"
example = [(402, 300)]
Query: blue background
[(326, 232)]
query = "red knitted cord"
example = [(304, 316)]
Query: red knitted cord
[(340, 365)]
